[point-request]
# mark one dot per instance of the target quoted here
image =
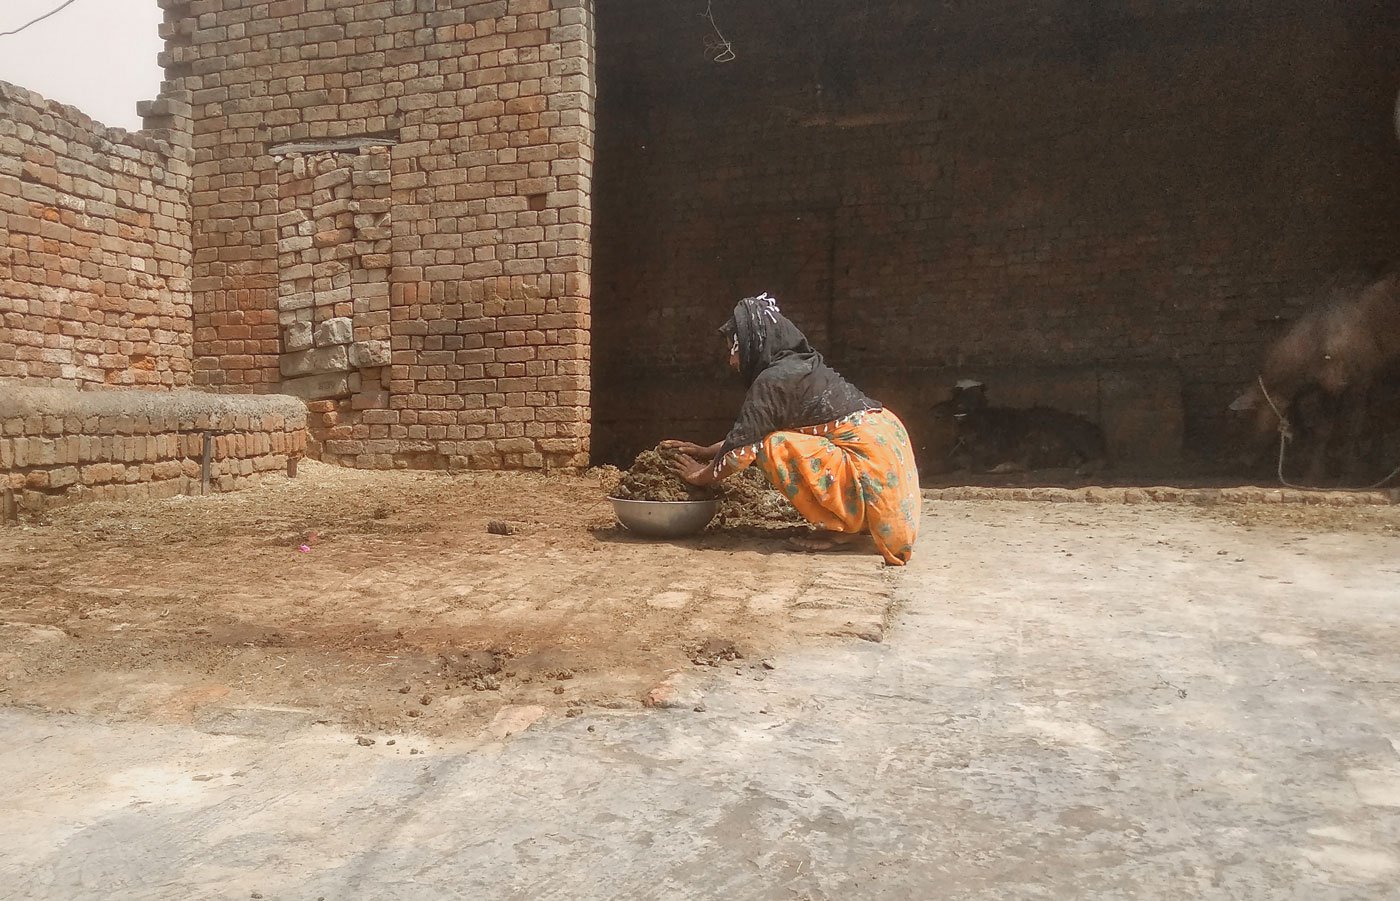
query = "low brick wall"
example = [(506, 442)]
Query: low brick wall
[(59, 445)]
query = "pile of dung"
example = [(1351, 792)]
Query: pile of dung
[(651, 478), (751, 500), (607, 476), (746, 500)]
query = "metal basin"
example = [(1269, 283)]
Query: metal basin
[(665, 519)]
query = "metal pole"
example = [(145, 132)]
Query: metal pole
[(208, 457)]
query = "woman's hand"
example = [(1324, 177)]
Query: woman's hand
[(690, 449), (701, 475)]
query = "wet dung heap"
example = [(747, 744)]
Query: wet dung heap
[(747, 499), (751, 500), (651, 478)]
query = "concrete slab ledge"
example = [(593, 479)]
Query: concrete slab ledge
[(1201, 497), (193, 406)]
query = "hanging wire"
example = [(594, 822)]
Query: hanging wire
[(52, 12), (718, 48)]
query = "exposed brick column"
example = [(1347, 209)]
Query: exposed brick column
[(473, 264)]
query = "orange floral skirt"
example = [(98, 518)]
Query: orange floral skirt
[(853, 475)]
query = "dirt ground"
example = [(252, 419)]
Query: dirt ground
[(384, 602), (381, 602), (1073, 700)]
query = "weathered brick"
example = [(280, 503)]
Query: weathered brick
[(316, 387), (339, 330), (321, 359), (296, 337), (366, 354)]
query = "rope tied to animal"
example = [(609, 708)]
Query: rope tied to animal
[(1285, 435)]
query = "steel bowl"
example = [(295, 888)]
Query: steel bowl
[(664, 519)]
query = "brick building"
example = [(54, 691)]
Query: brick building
[(391, 220), (1111, 207), (389, 209)]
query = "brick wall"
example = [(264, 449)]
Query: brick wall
[(59, 445), (460, 251), (937, 189), (94, 247)]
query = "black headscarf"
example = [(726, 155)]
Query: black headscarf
[(790, 386)]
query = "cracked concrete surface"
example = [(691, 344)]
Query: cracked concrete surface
[(1072, 702)]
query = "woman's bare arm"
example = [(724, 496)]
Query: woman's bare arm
[(691, 449), (701, 475)]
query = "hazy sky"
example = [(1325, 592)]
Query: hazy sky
[(98, 55)]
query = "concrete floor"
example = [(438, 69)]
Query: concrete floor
[(1075, 702)]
